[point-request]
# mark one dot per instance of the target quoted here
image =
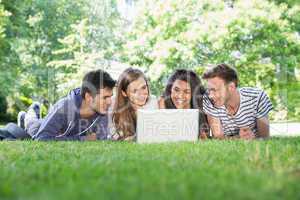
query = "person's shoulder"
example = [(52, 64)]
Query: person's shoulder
[(250, 90), (253, 92), (152, 102), (207, 102), (61, 103), (209, 108), (68, 104)]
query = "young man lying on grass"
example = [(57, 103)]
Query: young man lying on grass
[(82, 115), (234, 112)]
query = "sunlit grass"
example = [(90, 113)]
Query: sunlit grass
[(268, 169)]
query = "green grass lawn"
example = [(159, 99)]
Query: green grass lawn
[(105, 170)]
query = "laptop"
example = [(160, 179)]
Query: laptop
[(167, 125)]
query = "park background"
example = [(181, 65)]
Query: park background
[(47, 45)]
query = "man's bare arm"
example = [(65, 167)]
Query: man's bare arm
[(216, 127), (263, 127)]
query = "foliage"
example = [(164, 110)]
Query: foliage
[(47, 45), (93, 42), (3, 107), (32, 32), (257, 37)]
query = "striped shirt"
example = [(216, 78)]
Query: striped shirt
[(254, 104)]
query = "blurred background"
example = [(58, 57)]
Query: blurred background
[(47, 45)]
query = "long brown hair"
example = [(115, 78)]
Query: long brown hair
[(124, 116)]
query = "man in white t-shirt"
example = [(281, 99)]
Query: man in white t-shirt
[(234, 112)]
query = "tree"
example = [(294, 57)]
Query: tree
[(32, 32), (254, 36), (93, 42)]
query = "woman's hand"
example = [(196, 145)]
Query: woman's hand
[(130, 138), (115, 137)]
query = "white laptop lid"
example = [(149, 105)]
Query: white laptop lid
[(167, 125)]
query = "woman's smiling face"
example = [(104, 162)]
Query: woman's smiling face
[(181, 94), (137, 92)]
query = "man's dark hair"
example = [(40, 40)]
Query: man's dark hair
[(223, 71), (95, 80)]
